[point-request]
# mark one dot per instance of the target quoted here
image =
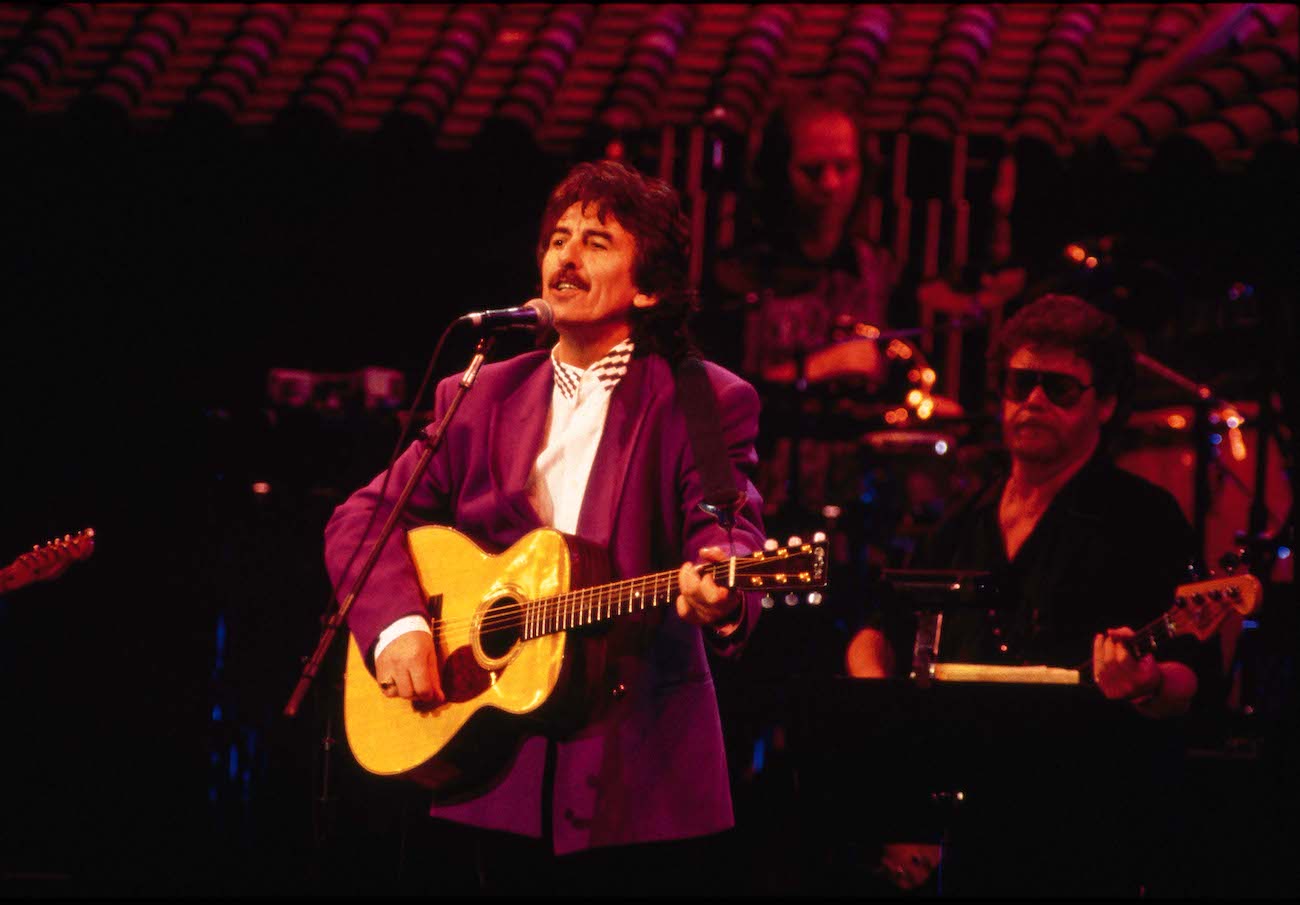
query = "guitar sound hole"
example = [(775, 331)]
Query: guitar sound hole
[(502, 626)]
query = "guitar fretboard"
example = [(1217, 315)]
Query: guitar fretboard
[(548, 615)]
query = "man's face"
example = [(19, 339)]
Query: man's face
[(587, 270), (1039, 430), (825, 170)]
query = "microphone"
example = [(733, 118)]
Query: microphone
[(532, 315)]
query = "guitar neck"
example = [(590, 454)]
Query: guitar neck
[(797, 567), (1146, 640), (602, 603), (1198, 610)]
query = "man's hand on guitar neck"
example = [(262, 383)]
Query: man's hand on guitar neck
[(408, 668), (1156, 689), (703, 602)]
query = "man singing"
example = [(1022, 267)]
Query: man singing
[(588, 438)]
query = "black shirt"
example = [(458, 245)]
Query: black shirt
[(1108, 552)]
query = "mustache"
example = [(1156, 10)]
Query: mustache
[(568, 275)]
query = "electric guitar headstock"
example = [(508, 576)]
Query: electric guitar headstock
[(51, 560), (1199, 607)]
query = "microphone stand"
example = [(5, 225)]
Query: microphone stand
[(431, 444), (312, 665), (1205, 401)]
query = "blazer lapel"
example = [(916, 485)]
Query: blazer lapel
[(628, 407), (515, 440)]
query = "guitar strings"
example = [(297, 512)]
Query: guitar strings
[(543, 608)]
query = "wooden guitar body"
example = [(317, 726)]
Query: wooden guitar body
[(487, 668)]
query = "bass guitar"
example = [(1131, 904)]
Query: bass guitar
[(1199, 608)]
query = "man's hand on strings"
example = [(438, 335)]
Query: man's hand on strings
[(408, 668)]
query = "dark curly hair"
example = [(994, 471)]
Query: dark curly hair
[(1068, 322), (651, 212)]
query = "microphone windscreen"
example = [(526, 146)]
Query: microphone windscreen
[(545, 316)]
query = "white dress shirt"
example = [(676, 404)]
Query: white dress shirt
[(558, 481)]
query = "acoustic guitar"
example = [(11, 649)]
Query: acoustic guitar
[(42, 563), (500, 624)]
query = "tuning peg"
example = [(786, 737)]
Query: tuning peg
[(770, 545)]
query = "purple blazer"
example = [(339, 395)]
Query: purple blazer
[(651, 765)]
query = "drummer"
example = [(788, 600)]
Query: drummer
[(808, 270), (809, 276)]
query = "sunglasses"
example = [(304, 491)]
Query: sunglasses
[(1062, 390)]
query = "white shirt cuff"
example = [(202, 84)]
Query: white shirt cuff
[(401, 627)]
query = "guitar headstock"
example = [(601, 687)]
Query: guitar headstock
[(1199, 607), (798, 566), (51, 560)]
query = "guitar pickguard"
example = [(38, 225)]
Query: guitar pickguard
[(462, 678)]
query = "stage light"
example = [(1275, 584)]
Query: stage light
[(941, 447), (1090, 262), (1237, 444), (1076, 253)]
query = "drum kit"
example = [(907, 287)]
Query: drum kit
[(872, 461)]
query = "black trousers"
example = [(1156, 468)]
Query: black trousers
[(445, 858)]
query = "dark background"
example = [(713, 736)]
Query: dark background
[(150, 279)]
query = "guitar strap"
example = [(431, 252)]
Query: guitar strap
[(722, 499)]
